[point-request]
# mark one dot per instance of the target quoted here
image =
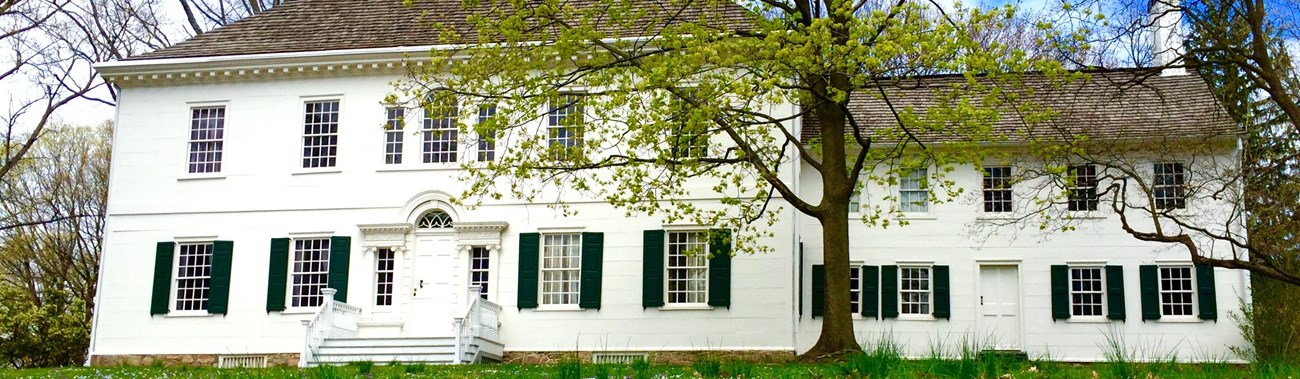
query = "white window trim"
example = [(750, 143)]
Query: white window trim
[(175, 278), (856, 211), (541, 277), (488, 273), (1105, 306), (458, 148), (1187, 174), (1096, 214), (666, 287), (929, 203), (406, 123), (297, 162), (929, 316), (289, 308), (1194, 316), (186, 175), (478, 138), (857, 265), (581, 93), (375, 283), (1011, 189)]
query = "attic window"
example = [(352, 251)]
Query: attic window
[(435, 219)]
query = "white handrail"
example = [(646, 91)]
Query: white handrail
[(334, 319), (481, 320)]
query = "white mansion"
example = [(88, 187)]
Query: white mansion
[(260, 213)]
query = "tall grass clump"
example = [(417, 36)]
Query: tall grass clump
[(641, 369), (882, 357), (707, 366)]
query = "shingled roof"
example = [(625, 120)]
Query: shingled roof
[(1109, 105), (324, 25)]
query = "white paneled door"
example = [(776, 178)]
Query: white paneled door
[(430, 313), (1000, 306)]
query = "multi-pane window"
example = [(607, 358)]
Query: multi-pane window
[(434, 219), (913, 193), (207, 130), (1168, 188), (855, 200), (997, 189), (1176, 291), (689, 141), (320, 135), (310, 268), (1086, 291), (487, 145), (193, 276), (1082, 192), (561, 268), (914, 290), (478, 269), (688, 267), (440, 130), (565, 119), (855, 289), (384, 264), (396, 121)]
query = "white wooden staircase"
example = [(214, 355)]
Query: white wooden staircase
[(331, 338)]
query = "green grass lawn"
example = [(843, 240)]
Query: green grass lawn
[(861, 366)]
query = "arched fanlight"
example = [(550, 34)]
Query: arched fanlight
[(434, 219)]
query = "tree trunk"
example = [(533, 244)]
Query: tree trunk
[(837, 336)]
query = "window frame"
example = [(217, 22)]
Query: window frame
[(394, 135), (576, 293), (217, 153), (484, 272), (380, 271), (927, 312), (332, 158), (174, 296), (923, 183), (1193, 303), (290, 305), (485, 147), (560, 133), (703, 294), (1090, 201), (445, 149), (989, 188), (1100, 293), (855, 288), (1179, 187)]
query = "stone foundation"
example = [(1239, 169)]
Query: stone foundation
[(656, 357), (190, 360)]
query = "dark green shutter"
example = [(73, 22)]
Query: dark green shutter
[(870, 291), (593, 252), (277, 274), (340, 255), (162, 278), (652, 269), (888, 291), (528, 269), (1115, 293), (1060, 292), (219, 292), (1205, 295), (942, 299), (818, 290), (720, 268), (1149, 283)]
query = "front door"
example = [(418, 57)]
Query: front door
[(1000, 306), (431, 287)]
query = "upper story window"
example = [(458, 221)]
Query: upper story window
[(690, 139), (434, 219), (1169, 187), (394, 124), (997, 189), (1082, 191), (914, 290), (207, 130), (487, 145), (913, 191), (688, 267), (193, 276), (320, 138), (310, 269), (561, 268), (565, 120), (440, 130)]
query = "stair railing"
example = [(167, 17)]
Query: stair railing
[(333, 319), (481, 320)]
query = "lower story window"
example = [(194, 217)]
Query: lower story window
[(914, 290), (1086, 291), (688, 267), (193, 276), (1176, 291), (561, 268), (478, 269), (310, 268), (855, 288), (384, 264)]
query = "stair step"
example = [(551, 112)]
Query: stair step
[(388, 342), (370, 350), (385, 358)]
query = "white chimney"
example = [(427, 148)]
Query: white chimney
[(1167, 36)]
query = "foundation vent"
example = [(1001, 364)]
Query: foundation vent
[(244, 361), (619, 358)]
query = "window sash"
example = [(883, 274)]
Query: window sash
[(914, 290), (193, 276), (913, 192), (487, 145), (1087, 292), (479, 269), (855, 288), (687, 267), (206, 143), (1169, 187), (565, 119), (385, 268), (1177, 291), (997, 189), (310, 266), (320, 134), (393, 135), (440, 131), (1082, 194), (561, 268)]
